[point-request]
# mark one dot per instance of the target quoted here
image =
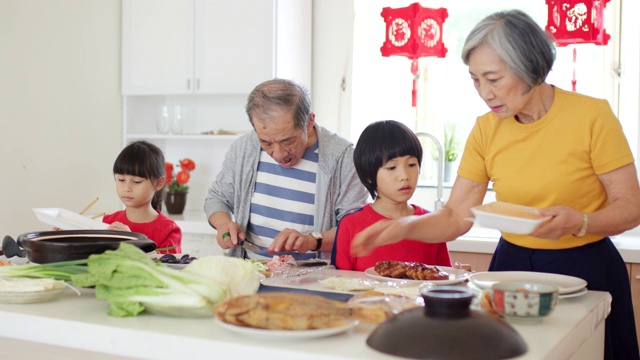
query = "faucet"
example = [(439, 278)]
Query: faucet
[(439, 202)]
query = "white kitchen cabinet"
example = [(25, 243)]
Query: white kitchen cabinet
[(213, 46), (157, 46), (206, 56)]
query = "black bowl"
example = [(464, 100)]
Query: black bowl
[(54, 246)]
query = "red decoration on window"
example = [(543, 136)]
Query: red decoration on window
[(577, 21), (572, 22), (414, 32)]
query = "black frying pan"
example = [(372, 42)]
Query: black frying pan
[(53, 246)]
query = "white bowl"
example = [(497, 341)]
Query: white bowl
[(524, 300), (511, 218)]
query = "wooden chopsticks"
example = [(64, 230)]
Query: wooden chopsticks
[(97, 215), (88, 206)]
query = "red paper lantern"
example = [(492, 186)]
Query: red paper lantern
[(414, 32), (577, 21)]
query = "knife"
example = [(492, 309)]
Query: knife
[(249, 246)]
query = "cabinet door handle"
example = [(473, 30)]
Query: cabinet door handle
[(637, 277), (188, 84), (198, 84)]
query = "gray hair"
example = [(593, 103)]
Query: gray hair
[(518, 40), (272, 97)]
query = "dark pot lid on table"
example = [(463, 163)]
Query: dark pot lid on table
[(446, 328)]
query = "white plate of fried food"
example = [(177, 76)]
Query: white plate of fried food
[(288, 315), (444, 275)]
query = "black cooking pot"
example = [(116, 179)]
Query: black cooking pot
[(53, 246)]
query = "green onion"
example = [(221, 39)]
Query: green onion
[(58, 270), (166, 248)]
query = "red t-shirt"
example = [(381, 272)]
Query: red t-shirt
[(163, 230), (404, 250)]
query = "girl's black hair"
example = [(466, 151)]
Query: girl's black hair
[(145, 160), (380, 142)]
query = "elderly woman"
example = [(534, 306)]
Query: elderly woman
[(544, 147)]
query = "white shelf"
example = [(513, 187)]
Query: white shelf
[(182, 137)]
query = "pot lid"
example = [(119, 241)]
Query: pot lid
[(447, 329)]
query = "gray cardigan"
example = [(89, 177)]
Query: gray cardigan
[(338, 188)]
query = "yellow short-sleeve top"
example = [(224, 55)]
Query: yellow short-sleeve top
[(553, 161)]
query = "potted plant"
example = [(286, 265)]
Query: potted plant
[(177, 189), (451, 148)]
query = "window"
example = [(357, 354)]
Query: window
[(382, 85)]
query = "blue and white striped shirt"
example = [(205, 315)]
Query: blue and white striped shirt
[(283, 198)]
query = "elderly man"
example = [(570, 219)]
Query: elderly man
[(284, 186)]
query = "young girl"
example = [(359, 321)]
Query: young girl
[(140, 179), (387, 158)]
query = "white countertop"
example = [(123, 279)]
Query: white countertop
[(82, 323), (484, 241)]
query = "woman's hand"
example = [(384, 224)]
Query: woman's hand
[(564, 221)]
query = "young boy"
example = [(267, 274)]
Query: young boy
[(387, 158)]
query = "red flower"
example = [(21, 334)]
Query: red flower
[(182, 177)]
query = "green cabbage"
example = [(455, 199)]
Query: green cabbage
[(128, 279)]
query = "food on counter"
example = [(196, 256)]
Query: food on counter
[(348, 284), (294, 311), (279, 262), (465, 267), (486, 303), (128, 279), (5, 263), (410, 270), (173, 259)]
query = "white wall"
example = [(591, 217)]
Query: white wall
[(331, 72), (60, 107)]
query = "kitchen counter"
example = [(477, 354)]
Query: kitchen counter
[(484, 241), (79, 324)]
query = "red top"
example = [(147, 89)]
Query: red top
[(163, 230), (404, 250)]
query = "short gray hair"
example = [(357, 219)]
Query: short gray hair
[(518, 40), (273, 96)]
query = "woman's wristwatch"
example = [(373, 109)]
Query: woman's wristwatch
[(318, 236)]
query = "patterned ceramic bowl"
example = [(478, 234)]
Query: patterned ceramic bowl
[(524, 300)]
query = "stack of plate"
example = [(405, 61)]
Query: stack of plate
[(569, 286)]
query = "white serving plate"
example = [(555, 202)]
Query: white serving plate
[(285, 334), (566, 284), (29, 291), (68, 220), (511, 218), (455, 276)]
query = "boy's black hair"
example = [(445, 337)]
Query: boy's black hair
[(142, 159), (380, 142)]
